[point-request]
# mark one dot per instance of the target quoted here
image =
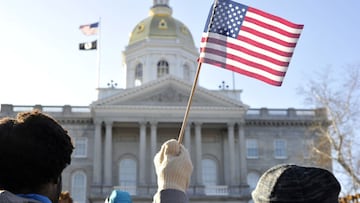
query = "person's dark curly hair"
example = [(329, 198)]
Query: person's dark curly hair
[(34, 150)]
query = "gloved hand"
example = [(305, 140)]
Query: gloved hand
[(173, 166)]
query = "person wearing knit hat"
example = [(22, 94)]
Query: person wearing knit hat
[(287, 183), (173, 168), (118, 196)]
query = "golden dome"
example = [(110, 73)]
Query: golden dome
[(161, 25)]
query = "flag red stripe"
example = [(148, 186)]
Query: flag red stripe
[(267, 37), (265, 47), (243, 61), (255, 43), (258, 55), (275, 18), (271, 27), (245, 50), (241, 71)]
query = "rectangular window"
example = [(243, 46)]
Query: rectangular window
[(252, 149), (80, 147), (280, 149)]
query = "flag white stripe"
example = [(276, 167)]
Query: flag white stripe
[(274, 23), (270, 32), (245, 56), (266, 42), (242, 66), (245, 45)]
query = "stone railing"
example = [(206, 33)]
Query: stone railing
[(262, 112), (290, 112), (216, 190), (10, 110)]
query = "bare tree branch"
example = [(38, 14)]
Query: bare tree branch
[(339, 94)]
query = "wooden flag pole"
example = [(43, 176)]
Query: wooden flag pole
[(181, 134)]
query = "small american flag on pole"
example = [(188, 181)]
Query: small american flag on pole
[(249, 41), (89, 29)]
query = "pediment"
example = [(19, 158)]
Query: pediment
[(167, 91)]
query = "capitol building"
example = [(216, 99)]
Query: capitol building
[(231, 144)]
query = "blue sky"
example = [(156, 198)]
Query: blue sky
[(40, 62)]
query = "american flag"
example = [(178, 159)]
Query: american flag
[(249, 41), (89, 29)]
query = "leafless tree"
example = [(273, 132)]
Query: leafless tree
[(338, 92)]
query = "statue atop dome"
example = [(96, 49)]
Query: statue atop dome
[(160, 7), (161, 3)]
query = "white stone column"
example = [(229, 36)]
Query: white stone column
[(108, 153), (242, 145), (231, 145), (97, 154), (142, 152), (187, 136), (198, 155), (153, 141)]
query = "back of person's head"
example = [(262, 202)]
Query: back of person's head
[(34, 150), (118, 196), (291, 183)]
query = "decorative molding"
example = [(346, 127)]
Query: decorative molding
[(269, 122), (74, 120), (169, 95)]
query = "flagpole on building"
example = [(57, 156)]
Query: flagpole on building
[(233, 80), (181, 134), (98, 54)]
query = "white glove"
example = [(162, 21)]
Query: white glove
[(173, 166)]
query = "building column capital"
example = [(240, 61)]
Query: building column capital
[(241, 122), (108, 122), (198, 124), (142, 123), (230, 124), (97, 122), (153, 123)]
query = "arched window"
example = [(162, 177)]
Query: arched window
[(252, 179), (138, 74), (78, 187), (209, 172), (162, 68), (186, 69), (128, 175), (209, 176)]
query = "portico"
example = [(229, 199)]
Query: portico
[(143, 128)]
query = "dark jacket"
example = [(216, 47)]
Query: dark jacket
[(170, 196), (8, 197)]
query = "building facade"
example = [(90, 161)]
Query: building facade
[(230, 144)]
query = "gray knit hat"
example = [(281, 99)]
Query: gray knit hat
[(291, 183)]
